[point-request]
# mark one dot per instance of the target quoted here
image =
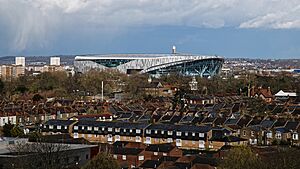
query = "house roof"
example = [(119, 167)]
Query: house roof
[(59, 122), (160, 147), (228, 139), (285, 94), (126, 151), (292, 125), (150, 164)]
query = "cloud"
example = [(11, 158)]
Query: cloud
[(36, 23)]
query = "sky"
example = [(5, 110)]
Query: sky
[(229, 28)]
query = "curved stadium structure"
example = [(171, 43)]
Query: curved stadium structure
[(156, 64)]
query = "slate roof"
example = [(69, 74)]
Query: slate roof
[(150, 164), (160, 147), (126, 151), (59, 122)]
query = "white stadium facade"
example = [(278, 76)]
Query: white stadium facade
[(155, 64)]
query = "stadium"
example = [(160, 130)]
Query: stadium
[(155, 64)]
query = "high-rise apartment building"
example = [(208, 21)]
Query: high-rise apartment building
[(20, 61), (55, 61)]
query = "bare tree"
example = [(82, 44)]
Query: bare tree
[(39, 155)]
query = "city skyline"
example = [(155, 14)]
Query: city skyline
[(232, 28)]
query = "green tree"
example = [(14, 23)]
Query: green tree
[(102, 161), (241, 158)]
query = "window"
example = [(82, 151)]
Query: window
[(117, 137), (130, 130), (155, 131), (115, 156), (86, 156), (123, 157), (193, 134), (58, 127), (278, 135), (75, 127), (141, 158), (148, 131), (162, 132), (109, 129), (82, 127), (252, 133), (138, 131), (50, 126), (117, 130), (96, 128), (103, 128), (124, 130), (169, 140), (201, 134), (186, 133), (269, 134), (66, 127), (89, 135), (89, 128), (170, 133), (178, 133), (138, 139), (155, 153), (295, 136), (165, 154), (244, 132)]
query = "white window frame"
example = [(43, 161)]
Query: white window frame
[(141, 158), (178, 133)]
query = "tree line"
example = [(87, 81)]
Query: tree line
[(60, 84)]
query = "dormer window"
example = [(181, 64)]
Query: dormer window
[(124, 130), (96, 128), (130, 130), (50, 126), (155, 131), (58, 127), (186, 133), (117, 129), (109, 129), (201, 134), (162, 132), (89, 128), (75, 127), (178, 133), (82, 127), (148, 131), (193, 134), (170, 133), (138, 131), (103, 128)]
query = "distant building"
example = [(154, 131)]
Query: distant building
[(155, 64), (55, 61), (20, 61), (11, 71), (281, 95)]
